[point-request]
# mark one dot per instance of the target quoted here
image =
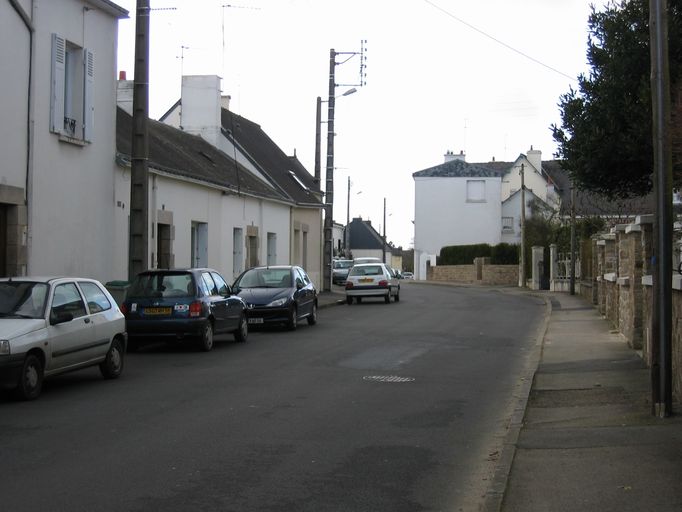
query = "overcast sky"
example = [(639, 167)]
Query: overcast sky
[(483, 77)]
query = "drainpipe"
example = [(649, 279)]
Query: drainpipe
[(29, 146)]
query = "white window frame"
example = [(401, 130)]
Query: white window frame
[(72, 85)]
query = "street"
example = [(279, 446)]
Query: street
[(379, 407)]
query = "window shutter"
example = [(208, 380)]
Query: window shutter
[(88, 89), (57, 89)]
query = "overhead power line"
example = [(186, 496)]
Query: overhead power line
[(502, 43)]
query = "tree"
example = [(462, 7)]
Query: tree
[(605, 138)]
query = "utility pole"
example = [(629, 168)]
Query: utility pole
[(329, 180), (572, 282), (384, 248), (522, 268), (318, 122), (346, 232), (138, 249), (661, 368), (329, 174)]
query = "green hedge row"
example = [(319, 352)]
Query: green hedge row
[(500, 254)]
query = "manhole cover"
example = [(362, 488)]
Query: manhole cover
[(387, 378)]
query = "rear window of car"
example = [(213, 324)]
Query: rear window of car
[(95, 297), (162, 285), (343, 264), (366, 270)]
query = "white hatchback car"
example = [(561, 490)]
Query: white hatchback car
[(55, 325), (371, 280)]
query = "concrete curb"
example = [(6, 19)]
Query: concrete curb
[(495, 495)]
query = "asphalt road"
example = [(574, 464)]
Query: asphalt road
[(398, 407)]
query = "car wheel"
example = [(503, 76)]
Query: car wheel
[(242, 333), (349, 300), (293, 319), (206, 340), (387, 297), (112, 366), (31, 379), (312, 318)]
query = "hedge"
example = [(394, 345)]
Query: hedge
[(500, 254)]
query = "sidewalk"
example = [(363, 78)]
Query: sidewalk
[(331, 298), (588, 441)]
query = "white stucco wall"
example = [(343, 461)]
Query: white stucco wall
[(312, 219), (444, 217), (71, 203), (14, 70), (533, 179), (191, 202)]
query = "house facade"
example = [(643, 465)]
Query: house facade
[(228, 198), (458, 203), (58, 136)]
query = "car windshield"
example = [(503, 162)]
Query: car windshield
[(343, 264), (162, 285), (265, 278), (22, 299), (366, 270)]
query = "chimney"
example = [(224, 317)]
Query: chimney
[(450, 156), (225, 101), (124, 93), (534, 156), (201, 103)]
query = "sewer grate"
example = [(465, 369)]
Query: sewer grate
[(387, 378)]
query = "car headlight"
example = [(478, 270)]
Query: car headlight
[(279, 302), (4, 348)]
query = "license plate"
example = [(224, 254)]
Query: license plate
[(255, 320), (367, 280), (157, 311)]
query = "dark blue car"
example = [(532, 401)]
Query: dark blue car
[(282, 294), (176, 304)]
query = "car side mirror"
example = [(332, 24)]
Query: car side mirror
[(60, 318), (227, 291), (299, 285)]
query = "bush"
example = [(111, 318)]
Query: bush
[(505, 254)]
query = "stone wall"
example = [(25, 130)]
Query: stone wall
[(452, 273), (481, 273)]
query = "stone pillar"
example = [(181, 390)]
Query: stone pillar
[(538, 261), (553, 270)]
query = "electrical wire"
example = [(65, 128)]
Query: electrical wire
[(502, 43)]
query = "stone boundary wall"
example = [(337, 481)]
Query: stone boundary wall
[(624, 291), (480, 273)]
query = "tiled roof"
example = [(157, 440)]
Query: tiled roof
[(179, 153), (459, 169), (287, 173), (363, 236)]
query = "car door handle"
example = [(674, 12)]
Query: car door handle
[(86, 320)]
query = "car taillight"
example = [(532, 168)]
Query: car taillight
[(195, 308), (349, 285), (383, 283), (123, 309)]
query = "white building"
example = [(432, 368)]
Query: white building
[(458, 203), (208, 208), (58, 136)]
